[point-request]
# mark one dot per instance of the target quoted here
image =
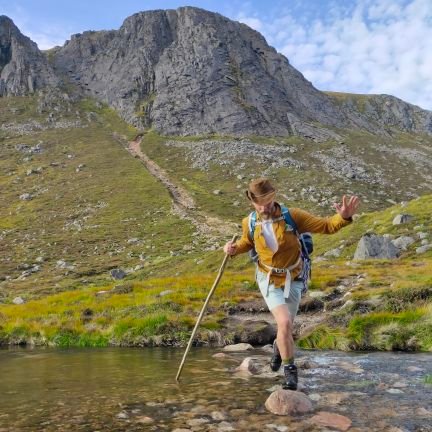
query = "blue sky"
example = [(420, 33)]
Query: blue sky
[(358, 46)]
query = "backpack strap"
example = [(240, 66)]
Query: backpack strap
[(252, 224), (289, 220)]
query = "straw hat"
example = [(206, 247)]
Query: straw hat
[(261, 191)]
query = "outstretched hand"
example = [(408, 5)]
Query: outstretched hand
[(349, 206)]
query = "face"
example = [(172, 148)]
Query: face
[(265, 211)]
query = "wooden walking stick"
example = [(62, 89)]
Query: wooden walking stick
[(222, 267)]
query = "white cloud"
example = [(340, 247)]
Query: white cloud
[(379, 46), (49, 38), (46, 36), (252, 22)]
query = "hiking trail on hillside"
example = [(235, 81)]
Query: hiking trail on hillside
[(210, 227)]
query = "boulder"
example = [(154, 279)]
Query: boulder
[(26, 197), (238, 347), (423, 249), (61, 264), (255, 332), (403, 242), (335, 253), (18, 300), (117, 274), (402, 218), (375, 246), (311, 304), (287, 402)]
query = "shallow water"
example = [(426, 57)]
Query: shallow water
[(134, 389)]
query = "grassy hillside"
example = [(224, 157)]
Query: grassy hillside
[(381, 170), (376, 304), (75, 205), (92, 205)]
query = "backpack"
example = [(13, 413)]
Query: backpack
[(305, 239)]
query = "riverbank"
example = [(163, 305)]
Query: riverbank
[(379, 305)]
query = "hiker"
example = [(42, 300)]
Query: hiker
[(281, 271)]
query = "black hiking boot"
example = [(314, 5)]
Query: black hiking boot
[(291, 379), (276, 360)]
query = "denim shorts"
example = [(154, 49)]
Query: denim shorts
[(276, 295)]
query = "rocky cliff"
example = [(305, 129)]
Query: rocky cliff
[(23, 68), (189, 71)]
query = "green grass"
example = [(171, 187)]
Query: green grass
[(324, 337), (408, 331), (86, 218), (85, 318)]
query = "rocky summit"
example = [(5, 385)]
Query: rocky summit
[(23, 68), (191, 72)]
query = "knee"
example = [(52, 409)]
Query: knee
[(285, 325)]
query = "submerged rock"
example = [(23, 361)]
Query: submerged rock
[(250, 365), (332, 420)]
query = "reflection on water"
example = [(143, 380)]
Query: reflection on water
[(135, 389)]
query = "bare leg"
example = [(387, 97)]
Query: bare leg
[(284, 338)]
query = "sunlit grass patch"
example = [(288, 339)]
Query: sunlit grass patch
[(102, 316), (385, 330), (324, 337)]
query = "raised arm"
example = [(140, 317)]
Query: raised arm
[(306, 222)]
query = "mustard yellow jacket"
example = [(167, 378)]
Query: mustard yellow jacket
[(289, 250)]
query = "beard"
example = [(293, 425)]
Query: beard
[(267, 214)]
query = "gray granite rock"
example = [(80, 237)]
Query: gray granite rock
[(23, 68), (403, 242), (375, 246), (401, 219), (189, 72)]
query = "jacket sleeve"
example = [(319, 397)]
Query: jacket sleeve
[(307, 222), (244, 244)]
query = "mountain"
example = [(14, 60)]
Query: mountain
[(23, 68), (193, 72), (75, 204)]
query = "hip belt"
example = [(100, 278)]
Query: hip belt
[(287, 271)]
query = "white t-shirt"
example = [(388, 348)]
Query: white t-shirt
[(269, 235)]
